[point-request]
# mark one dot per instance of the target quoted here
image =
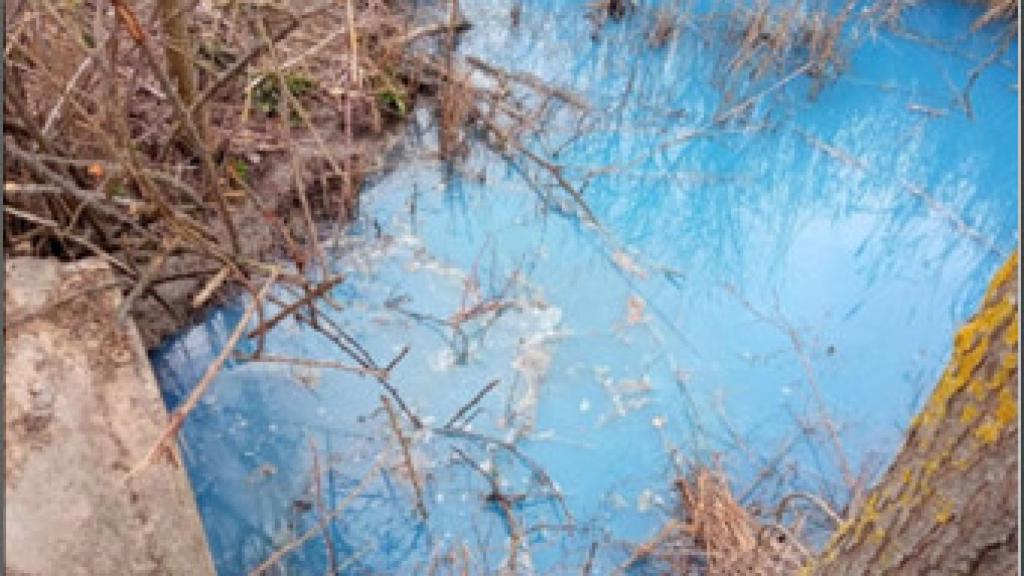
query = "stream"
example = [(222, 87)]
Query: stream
[(753, 294)]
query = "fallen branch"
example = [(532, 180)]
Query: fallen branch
[(271, 359), (178, 419), (975, 73), (210, 287), (535, 468)]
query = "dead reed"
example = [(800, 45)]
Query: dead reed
[(890, 12), (771, 39), (713, 534)]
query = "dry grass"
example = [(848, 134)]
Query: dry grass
[(712, 534), (771, 39)]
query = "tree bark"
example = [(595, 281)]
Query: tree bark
[(948, 504), (179, 56)]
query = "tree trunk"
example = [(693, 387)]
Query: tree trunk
[(179, 56), (948, 504)]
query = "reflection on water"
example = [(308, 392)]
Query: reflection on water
[(746, 281)]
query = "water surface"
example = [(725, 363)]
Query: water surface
[(743, 283)]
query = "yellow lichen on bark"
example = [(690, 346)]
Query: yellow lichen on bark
[(971, 347), (948, 502), (969, 414)]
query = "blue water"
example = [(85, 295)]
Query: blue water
[(743, 283)]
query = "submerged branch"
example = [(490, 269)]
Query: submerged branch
[(330, 516), (181, 413), (403, 442)]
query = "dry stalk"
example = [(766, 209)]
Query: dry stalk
[(177, 52), (322, 521), (211, 286), (321, 289)]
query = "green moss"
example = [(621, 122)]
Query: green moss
[(240, 169), (391, 97), (267, 92), (394, 101)]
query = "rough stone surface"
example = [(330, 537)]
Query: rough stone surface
[(82, 407)]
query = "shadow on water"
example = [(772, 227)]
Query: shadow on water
[(757, 290)]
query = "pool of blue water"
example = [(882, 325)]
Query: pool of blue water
[(751, 296)]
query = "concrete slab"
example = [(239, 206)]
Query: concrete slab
[(82, 407)]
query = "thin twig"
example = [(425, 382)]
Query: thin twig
[(145, 281), (469, 405), (287, 311), (210, 287), (59, 231), (130, 22)]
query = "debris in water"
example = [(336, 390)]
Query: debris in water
[(627, 395), (648, 500), (635, 310), (626, 263), (617, 501), (531, 364)]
